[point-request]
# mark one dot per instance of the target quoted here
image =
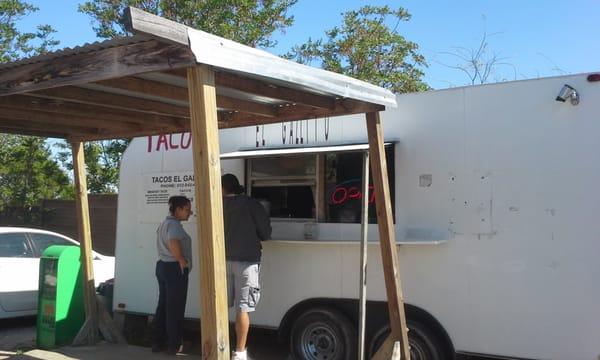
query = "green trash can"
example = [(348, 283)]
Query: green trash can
[(60, 297)]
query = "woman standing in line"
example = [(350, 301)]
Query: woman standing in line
[(174, 247)]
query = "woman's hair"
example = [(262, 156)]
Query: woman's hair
[(177, 202), (231, 185)]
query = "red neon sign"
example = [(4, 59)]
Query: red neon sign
[(342, 194)]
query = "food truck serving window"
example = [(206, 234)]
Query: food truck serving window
[(322, 187)]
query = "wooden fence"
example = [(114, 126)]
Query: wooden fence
[(59, 216)]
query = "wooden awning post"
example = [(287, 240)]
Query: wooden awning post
[(387, 241), (364, 228), (89, 330), (209, 205)]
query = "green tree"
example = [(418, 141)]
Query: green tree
[(15, 44), (28, 174), (102, 160), (250, 22), (367, 47)]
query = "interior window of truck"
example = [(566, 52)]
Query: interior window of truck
[(324, 187), (285, 185), (344, 187)]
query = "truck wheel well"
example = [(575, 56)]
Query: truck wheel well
[(377, 317)]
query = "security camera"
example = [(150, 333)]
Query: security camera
[(568, 92)]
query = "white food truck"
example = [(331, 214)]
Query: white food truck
[(496, 201)]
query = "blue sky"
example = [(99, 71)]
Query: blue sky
[(537, 38)]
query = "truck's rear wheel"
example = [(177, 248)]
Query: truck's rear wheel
[(424, 344), (323, 334)]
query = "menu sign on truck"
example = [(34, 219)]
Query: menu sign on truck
[(159, 187)]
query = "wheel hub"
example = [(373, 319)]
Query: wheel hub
[(319, 343)]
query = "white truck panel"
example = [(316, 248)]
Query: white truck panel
[(505, 238)]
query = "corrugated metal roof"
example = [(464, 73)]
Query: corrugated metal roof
[(82, 49), (231, 56), (228, 56)]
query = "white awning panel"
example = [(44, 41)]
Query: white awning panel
[(294, 151)]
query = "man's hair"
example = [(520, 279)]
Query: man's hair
[(177, 201), (231, 185)]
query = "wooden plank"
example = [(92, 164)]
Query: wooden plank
[(387, 236), (28, 132), (362, 290), (117, 101), (209, 204), (43, 127), (178, 93), (120, 134), (386, 351), (107, 134), (93, 66), (139, 21), (93, 115), (341, 107), (147, 87), (322, 208), (52, 119), (85, 238), (290, 115), (262, 88)]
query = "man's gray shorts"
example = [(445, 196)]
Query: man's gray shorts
[(243, 287)]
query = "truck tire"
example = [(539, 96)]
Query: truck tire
[(424, 344), (323, 334)]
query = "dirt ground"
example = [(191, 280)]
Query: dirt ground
[(17, 341)]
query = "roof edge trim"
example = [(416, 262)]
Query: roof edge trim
[(222, 53)]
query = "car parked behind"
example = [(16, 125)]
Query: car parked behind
[(20, 251)]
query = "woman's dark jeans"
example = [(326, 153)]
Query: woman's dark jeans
[(172, 290)]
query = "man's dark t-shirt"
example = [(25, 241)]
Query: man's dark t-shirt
[(246, 225)]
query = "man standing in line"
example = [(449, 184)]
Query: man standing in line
[(246, 225)]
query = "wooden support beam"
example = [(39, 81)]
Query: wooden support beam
[(138, 21), (261, 88), (209, 204), (8, 126), (56, 113), (386, 350), (178, 93), (89, 331), (290, 113), (9, 120), (116, 101), (342, 107), (85, 67), (387, 238), (107, 134), (119, 134), (48, 120), (258, 87), (101, 117)]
